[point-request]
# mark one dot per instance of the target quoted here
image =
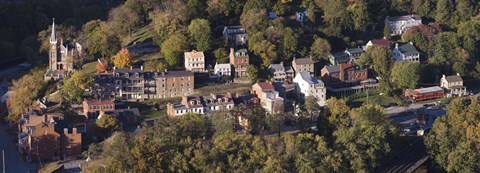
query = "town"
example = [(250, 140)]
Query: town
[(240, 86)]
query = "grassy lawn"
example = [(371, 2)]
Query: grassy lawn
[(153, 114), (223, 88), (139, 35), (147, 57), (383, 100), (90, 67)]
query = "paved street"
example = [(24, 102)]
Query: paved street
[(12, 159)]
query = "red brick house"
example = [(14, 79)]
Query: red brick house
[(335, 74), (93, 108)]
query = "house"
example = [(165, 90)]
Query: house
[(424, 93), (301, 14), (135, 84), (104, 86), (200, 105), (306, 85), (303, 64), (93, 108), (194, 61), (335, 74), (41, 137), (346, 56), (453, 84), (399, 24), (223, 70), (240, 60), (269, 98), (281, 73), (235, 35), (129, 119), (61, 56), (272, 15), (406, 52), (377, 42)]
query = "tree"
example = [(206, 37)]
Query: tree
[(155, 66), (221, 55), (223, 121), (338, 112), (254, 20), (99, 38), (359, 14), (122, 59), (123, 20), (452, 141), (173, 48), (107, 122), (199, 31), (381, 60), (290, 42), (320, 49), (275, 122), (102, 65), (405, 74), (386, 32), (75, 86), (444, 11), (335, 14), (25, 91), (253, 73), (164, 24)]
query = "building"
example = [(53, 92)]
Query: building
[(223, 70), (406, 52), (269, 98), (301, 14), (346, 56), (377, 42), (399, 24), (306, 85), (272, 15), (336, 74), (424, 93), (281, 73), (303, 64), (93, 108), (200, 105), (235, 35), (135, 84), (61, 56), (194, 61), (129, 119), (240, 60), (453, 85), (41, 137)]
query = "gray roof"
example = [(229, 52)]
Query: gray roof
[(354, 50), (288, 69), (223, 66), (333, 68), (454, 78), (303, 61), (408, 49), (339, 54), (405, 17), (277, 67), (309, 79)]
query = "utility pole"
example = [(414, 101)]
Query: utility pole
[(3, 156)]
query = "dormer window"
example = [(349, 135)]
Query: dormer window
[(117, 75), (136, 74), (127, 75)]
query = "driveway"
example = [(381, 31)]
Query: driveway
[(13, 162)]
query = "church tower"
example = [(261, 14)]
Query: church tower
[(53, 49)]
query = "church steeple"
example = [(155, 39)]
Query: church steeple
[(53, 37)]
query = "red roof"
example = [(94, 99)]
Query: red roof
[(346, 66), (381, 42), (266, 86)]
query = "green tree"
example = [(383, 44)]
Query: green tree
[(99, 38), (381, 60), (164, 24), (386, 32), (75, 86), (221, 55), (444, 11), (254, 20), (338, 112), (275, 122), (155, 66), (290, 42), (253, 73), (199, 31), (405, 74), (359, 14), (222, 121), (173, 48), (123, 20), (320, 49), (107, 122)]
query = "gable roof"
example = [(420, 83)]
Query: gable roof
[(454, 78), (194, 54), (354, 50), (381, 42), (309, 79), (277, 67), (222, 66), (332, 68), (303, 61), (266, 86), (408, 49)]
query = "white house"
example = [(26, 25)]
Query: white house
[(194, 61), (453, 84), (306, 85), (235, 35), (406, 52), (399, 24), (223, 69)]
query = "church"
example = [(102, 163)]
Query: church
[(61, 57)]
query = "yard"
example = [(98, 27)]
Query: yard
[(222, 89), (358, 99)]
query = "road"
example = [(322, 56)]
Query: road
[(13, 162)]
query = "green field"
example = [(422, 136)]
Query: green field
[(138, 35)]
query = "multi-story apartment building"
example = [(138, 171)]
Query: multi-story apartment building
[(399, 24), (240, 60), (135, 84), (194, 61), (306, 85), (42, 137)]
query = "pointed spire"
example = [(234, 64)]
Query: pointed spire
[(53, 37)]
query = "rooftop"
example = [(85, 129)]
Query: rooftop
[(266, 86), (277, 67), (309, 79), (354, 50), (381, 42), (218, 66), (405, 17), (303, 61), (194, 54), (98, 102), (454, 78), (408, 49), (429, 90)]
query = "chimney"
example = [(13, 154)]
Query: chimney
[(443, 76), (65, 131), (128, 107), (131, 68), (458, 74), (396, 45), (141, 67), (61, 41), (74, 130), (411, 43), (46, 117), (114, 68), (281, 63)]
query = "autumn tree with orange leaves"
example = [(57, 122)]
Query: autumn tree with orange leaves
[(102, 65), (122, 59)]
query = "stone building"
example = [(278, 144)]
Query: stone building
[(194, 61)]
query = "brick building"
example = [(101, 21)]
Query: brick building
[(93, 108), (343, 73), (201, 104), (240, 60)]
